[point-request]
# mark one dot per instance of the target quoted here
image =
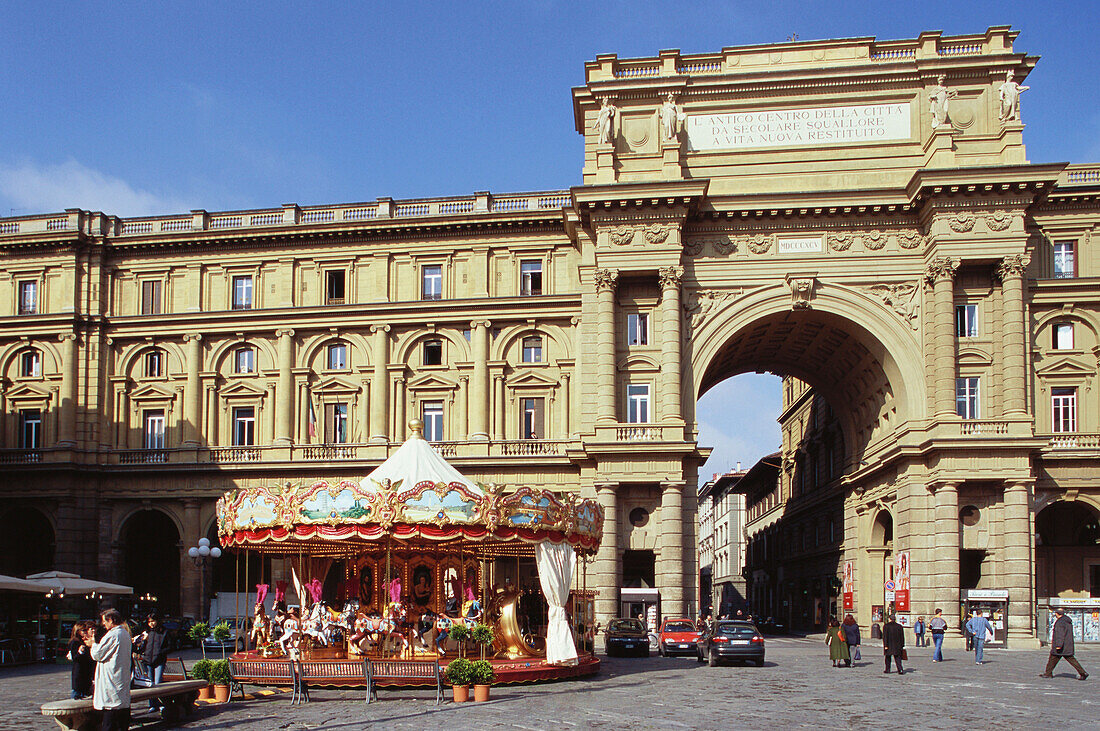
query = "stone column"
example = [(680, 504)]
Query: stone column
[(563, 432), (606, 280), (66, 428), (670, 573), (189, 575), (462, 406), (941, 275), (1011, 272), (498, 409), (399, 418), (479, 382), (606, 567), (1017, 558), (379, 384), (670, 343), (284, 402), (192, 396), (946, 552)]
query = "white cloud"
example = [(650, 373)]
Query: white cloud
[(30, 188)]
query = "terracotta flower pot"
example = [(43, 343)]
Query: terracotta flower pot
[(461, 693), (206, 692), (221, 693), (481, 693)]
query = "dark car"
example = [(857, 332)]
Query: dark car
[(179, 633), (772, 626), (731, 640), (627, 637)]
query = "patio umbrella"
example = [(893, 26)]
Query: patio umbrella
[(12, 583), (74, 584)]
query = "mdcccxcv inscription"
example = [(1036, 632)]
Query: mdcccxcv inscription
[(792, 127)]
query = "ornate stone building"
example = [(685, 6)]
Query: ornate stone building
[(796, 208)]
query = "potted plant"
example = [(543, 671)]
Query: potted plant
[(220, 677), (482, 676), (198, 633), (458, 675), (221, 634), (201, 671), (482, 634), (459, 632)]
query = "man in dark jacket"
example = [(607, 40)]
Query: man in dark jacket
[(1061, 646), (893, 644)]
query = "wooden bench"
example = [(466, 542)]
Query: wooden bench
[(276, 671), (177, 697), (401, 672), (346, 673)]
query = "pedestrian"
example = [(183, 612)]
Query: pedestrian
[(918, 631), (838, 646), (982, 631), (154, 652), (850, 629), (79, 654), (938, 626), (1061, 646), (893, 644), (112, 672)]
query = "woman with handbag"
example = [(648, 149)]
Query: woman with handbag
[(850, 632), (893, 644), (838, 647)]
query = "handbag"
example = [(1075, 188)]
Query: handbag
[(904, 654), (856, 655), (989, 635)]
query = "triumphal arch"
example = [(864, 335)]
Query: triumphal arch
[(857, 214)]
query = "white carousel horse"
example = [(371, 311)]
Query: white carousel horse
[(314, 626), (291, 631)]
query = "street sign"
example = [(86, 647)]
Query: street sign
[(889, 585)]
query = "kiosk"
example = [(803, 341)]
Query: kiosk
[(994, 605)]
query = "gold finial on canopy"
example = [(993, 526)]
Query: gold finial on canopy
[(416, 429)]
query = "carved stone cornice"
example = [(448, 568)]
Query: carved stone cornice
[(670, 276), (656, 234), (1013, 266), (605, 279), (901, 298), (701, 304), (941, 268), (621, 235)]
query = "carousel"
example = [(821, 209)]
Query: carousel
[(388, 568)]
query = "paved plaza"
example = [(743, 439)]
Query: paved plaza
[(797, 688)]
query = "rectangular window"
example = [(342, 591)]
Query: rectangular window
[(31, 364), (966, 397), (242, 293), (530, 278), (154, 364), (244, 426), (150, 297), (637, 403), (1063, 335), (30, 429), (966, 321), (153, 429), (1094, 580), (431, 412), (1065, 263), (637, 329), (336, 423), (532, 350), (337, 356), (334, 287), (1063, 403), (431, 283), (245, 361), (531, 417), (28, 298), (433, 353)]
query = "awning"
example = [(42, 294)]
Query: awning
[(74, 584), (12, 583), (639, 595)]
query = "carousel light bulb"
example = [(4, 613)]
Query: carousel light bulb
[(204, 551), (204, 542), (215, 552), (193, 552)]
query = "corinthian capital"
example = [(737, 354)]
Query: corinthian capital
[(941, 268), (1013, 266), (670, 276), (606, 279)]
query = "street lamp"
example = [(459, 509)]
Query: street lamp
[(202, 555)]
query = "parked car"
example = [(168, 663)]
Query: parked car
[(731, 640), (627, 636), (179, 632), (773, 626), (677, 636), (238, 630)]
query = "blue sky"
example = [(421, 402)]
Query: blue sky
[(137, 108)]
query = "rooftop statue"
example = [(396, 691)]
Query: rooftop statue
[(938, 99), (672, 118), (1010, 98), (605, 121)]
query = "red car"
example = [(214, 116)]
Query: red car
[(677, 635)]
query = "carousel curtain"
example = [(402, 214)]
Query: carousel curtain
[(556, 563)]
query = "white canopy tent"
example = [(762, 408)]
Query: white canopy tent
[(13, 583), (64, 582)]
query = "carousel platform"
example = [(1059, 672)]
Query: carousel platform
[(509, 672)]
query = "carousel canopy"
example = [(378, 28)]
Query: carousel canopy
[(415, 498)]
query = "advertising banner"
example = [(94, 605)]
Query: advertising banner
[(901, 582), (848, 587)]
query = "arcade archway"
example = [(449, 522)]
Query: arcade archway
[(26, 542), (151, 558), (1067, 550)]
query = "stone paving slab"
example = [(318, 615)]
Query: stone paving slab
[(797, 688)]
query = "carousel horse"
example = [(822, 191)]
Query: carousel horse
[(291, 625), (396, 620), (442, 631), (314, 625), (361, 631), (261, 626)]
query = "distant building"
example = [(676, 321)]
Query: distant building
[(722, 544)]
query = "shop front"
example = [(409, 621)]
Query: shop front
[(994, 606)]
